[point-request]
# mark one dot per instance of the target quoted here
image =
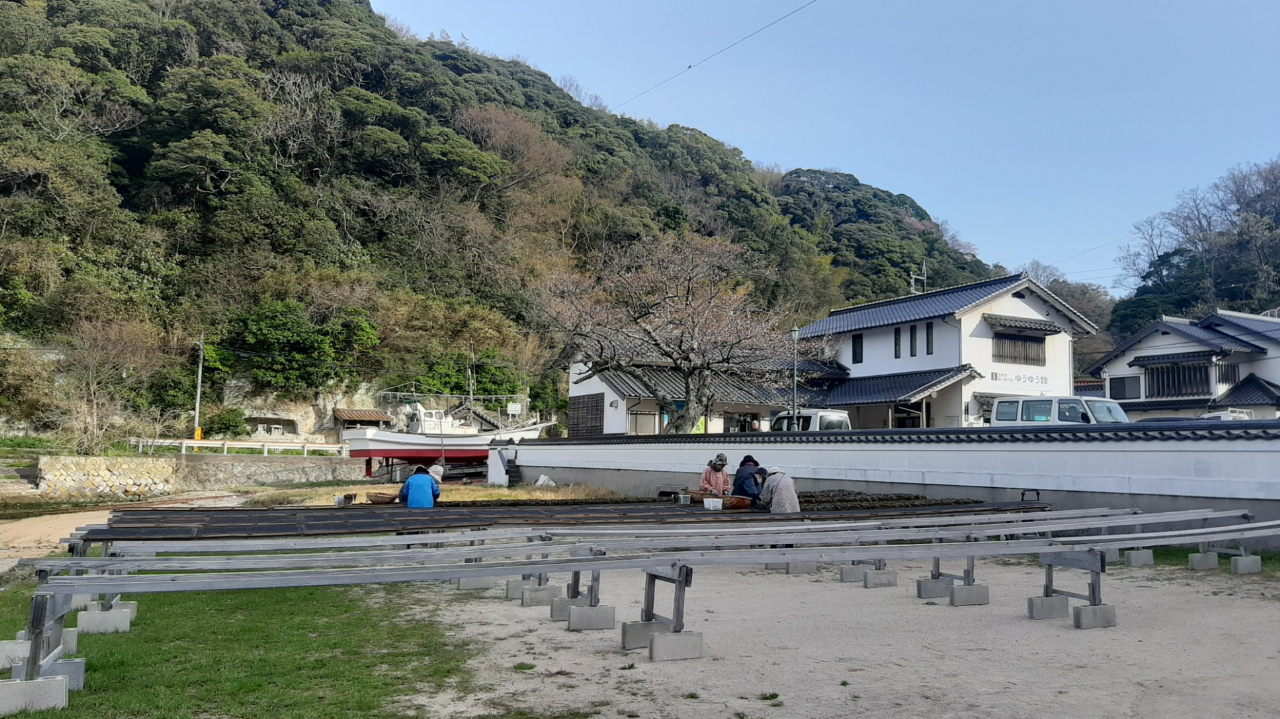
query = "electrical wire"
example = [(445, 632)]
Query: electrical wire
[(717, 52)]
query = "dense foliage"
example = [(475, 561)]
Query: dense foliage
[(327, 201), (1217, 247)]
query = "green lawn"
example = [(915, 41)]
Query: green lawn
[(1177, 556), (278, 654)]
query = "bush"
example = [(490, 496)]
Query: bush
[(228, 423)]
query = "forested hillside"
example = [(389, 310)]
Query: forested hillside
[(328, 200), (1217, 247)]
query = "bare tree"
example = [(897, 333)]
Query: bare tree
[(1042, 272), (680, 304), (400, 28), (570, 84), (953, 240)]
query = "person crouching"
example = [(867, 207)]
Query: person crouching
[(779, 493), (422, 488)]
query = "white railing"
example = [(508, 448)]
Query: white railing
[(146, 445)]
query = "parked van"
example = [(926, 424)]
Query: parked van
[(813, 420), (1044, 411)]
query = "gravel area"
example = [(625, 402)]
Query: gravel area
[(1187, 645)]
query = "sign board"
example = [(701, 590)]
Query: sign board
[(513, 408)]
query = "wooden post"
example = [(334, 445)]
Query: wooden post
[(35, 633)]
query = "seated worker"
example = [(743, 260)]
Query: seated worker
[(744, 482), (422, 488), (780, 493), (714, 479)]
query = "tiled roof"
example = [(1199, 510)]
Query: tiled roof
[(725, 389), (1248, 327), (1155, 405), (1195, 335), (362, 415), (1250, 391), (1022, 323), (1173, 358), (894, 388), (1090, 389), (810, 368), (927, 305)]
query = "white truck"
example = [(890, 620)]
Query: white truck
[(812, 420)]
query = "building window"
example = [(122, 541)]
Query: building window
[(913, 340), (928, 338), (857, 349), (1126, 388), (1228, 373), (1018, 349), (897, 343), (1188, 380)]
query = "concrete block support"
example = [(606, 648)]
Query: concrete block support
[(70, 641), (674, 647), (802, 567), (1246, 565), (1048, 607), (1099, 617), (853, 573), (469, 583), (72, 669), (934, 588), (515, 587), (1113, 555), (775, 565), (13, 651), (1206, 562), (970, 596), (540, 596), (130, 607), (91, 622), (636, 634), (1139, 558), (560, 607), (38, 695), (80, 601), (878, 578), (600, 617)]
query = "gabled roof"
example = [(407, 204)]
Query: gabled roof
[(725, 389), (1193, 333), (902, 388), (1249, 327), (362, 415), (1250, 391), (938, 303), (1173, 358)]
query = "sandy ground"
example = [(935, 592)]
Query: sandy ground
[(1187, 645)]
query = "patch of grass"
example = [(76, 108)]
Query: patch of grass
[(316, 653), (632, 665), (1177, 556), (844, 683), (775, 704), (524, 667), (768, 697), (19, 463), (28, 443)]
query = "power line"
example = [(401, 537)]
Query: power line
[(717, 52)]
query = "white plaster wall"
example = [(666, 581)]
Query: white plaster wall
[(877, 349), (1055, 378), (1242, 470), (615, 418)]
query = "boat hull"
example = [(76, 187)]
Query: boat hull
[(450, 447)]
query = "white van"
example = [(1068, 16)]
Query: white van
[(1045, 411), (813, 420)]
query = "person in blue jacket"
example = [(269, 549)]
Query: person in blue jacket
[(744, 482), (422, 488)]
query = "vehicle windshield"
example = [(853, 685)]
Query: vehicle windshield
[(784, 424), (830, 424), (1107, 412)]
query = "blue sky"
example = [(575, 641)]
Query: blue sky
[(1038, 131)]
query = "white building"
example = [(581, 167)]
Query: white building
[(935, 359), (1176, 367), (939, 358)]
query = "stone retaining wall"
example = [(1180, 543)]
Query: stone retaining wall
[(126, 478)]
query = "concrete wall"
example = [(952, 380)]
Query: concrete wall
[(1157, 475), (125, 478)]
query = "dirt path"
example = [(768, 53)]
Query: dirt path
[(38, 536), (1187, 645)]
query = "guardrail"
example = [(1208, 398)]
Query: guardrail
[(183, 445)]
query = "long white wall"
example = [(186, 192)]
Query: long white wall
[(1239, 469)]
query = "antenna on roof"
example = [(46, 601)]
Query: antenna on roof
[(923, 277)]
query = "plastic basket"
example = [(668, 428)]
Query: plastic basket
[(713, 503)]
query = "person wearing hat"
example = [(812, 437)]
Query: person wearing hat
[(779, 493), (744, 482), (715, 479), (422, 488)]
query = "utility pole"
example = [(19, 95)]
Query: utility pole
[(199, 386), (795, 374)]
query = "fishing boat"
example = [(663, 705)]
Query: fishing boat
[(433, 434)]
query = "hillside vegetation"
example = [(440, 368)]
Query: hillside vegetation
[(328, 201)]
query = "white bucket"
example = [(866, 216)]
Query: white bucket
[(713, 504)]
